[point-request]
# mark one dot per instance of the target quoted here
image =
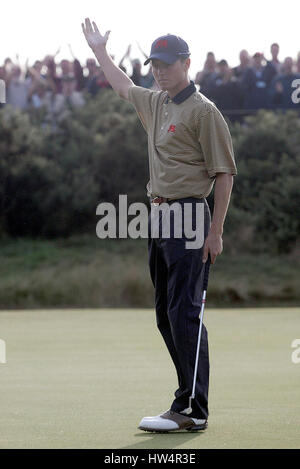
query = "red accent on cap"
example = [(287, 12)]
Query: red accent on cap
[(162, 43)]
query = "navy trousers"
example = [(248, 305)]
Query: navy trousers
[(177, 276)]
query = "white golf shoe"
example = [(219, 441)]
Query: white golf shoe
[(170, 422)]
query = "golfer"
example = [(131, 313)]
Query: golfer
[(190, 150)]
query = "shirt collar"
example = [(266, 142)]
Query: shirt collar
[(183, 94)]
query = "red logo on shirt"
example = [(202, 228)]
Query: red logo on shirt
[(162, 43), (172, 128)]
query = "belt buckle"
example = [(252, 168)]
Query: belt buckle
[(159, 200), (156, 204)]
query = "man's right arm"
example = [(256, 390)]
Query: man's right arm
[(119, 81)]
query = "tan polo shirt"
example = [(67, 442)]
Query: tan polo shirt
[(188, 143)]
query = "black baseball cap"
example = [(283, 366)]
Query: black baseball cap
[(168, 49)]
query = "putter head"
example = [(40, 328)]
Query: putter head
[(189, 410)]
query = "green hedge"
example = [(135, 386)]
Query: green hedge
[(266, 192), (52, 181)]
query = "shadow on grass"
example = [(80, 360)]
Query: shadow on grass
[(163, 440)]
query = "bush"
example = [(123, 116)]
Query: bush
[(52, 181), (267, 150), (51, 184)]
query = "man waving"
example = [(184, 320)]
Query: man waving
[(190, 151)]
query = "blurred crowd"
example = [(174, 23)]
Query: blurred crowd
[(257, 82)]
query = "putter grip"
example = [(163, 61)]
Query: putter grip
[(206, 273)]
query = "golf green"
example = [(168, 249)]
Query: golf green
[(85, 378)]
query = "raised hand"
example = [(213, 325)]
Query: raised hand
[(92, 34), (145, 55), (71, 51), (128, 51), (57, 52)]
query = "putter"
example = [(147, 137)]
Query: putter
[(189, 410)]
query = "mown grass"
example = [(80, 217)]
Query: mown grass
[(84, 378), (83, 271)]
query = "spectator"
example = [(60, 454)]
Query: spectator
[(136, 72), (206, 77), (38, 65), (125, 56), (17, 89), (273, 66), (8, 64), (67, 101), (41, 91), (77, 71), (138, 79), (254, 85), (51, 74), (281, 87), (92, 69), (241, 69), (67, 77), (66, 68), (147, 81), (275, 61), (39, 96), (97, 83), (78, 74), (226, 91)]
